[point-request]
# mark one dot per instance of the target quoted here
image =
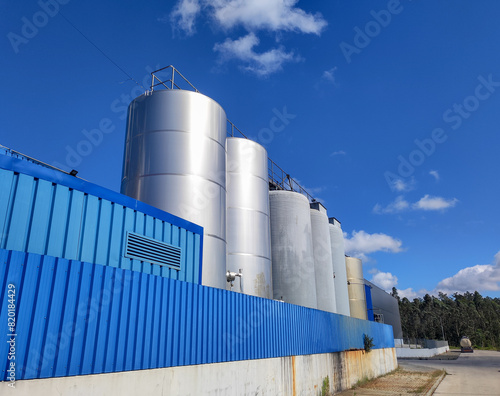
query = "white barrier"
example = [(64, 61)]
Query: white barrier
[(420, 352)]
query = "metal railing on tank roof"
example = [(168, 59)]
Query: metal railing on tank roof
[(170, 83), (278, 178)]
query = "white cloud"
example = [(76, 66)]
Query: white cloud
[(262, 64), (268, 15), (340, 152), (410, 294), (385, 280), (361, 243), (329, 75), (399, 205), (273, 15), (434, 174), (484, 277), (434, 203), (255, 15), (403, 185), (425, 203), (183, 16)]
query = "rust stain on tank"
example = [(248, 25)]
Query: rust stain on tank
[(293, 375)]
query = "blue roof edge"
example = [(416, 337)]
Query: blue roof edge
[(54, 176)]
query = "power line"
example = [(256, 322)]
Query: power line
[(100, 50)]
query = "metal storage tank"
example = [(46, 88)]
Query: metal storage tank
[(175, 159), (291, 249), (248, 232), (339, 267), (323, 268), (357, 298)]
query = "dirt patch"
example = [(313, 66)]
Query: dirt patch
[(399, 382), (405, 382)]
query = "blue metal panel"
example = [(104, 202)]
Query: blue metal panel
[(369, 303), (105, 304), (39, 228), (74, 227), (103, 232), (20, 213), (57, 228), (37, 171), (76, 318), (6, 179), (43, 217)]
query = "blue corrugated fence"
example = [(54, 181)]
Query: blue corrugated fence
[(75, 318)]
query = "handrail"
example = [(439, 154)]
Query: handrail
[(17, 154), (171, 80)]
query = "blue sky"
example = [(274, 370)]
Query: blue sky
[(390, 108)]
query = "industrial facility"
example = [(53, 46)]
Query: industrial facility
[(211, 272)]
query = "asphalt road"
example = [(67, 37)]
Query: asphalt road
[(472, 374)]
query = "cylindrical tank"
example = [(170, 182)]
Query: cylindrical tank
[(356, 287), (339, 267), (248, 229), (175, 160), (465, 342), (323, 268), (291, 247)]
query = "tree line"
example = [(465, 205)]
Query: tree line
[(450, 318)]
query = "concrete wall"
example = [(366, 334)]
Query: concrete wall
[(420, 352), (292, 375), (435, 343)]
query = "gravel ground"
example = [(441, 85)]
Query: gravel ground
[(399, 382)]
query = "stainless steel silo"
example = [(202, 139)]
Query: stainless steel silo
[(175, 159), (248, 232), (339, 267), (292, 249), (323, 268), (356, 287)]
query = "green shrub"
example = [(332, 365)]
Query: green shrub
[(325, 389), (368, 342)]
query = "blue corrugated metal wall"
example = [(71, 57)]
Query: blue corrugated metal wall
[(77, 318), (76, 220)]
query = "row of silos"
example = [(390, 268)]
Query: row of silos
[(308, 256), (177, 158)]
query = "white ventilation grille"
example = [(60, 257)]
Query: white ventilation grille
[(142, 248)]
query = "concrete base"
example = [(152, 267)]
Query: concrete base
[(292, 375), (420, 352)]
